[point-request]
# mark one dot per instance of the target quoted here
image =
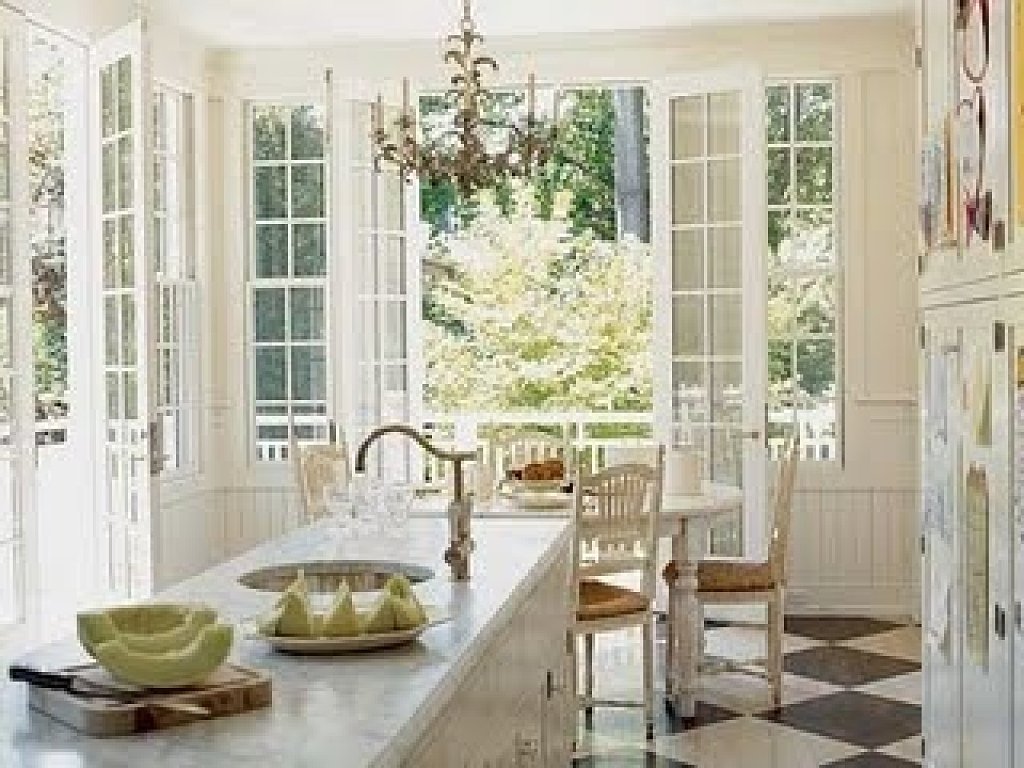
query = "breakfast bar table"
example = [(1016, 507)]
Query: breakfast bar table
[(683, 516)]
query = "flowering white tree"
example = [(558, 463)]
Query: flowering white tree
[(528, 315)]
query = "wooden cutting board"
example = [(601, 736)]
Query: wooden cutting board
[(230, 690)]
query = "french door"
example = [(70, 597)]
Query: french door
[(708, 218), (17, 416), (122, 146)]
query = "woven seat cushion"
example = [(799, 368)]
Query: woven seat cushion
[(727, 575), (599, 600)]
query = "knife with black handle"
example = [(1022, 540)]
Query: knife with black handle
[(79, 686)]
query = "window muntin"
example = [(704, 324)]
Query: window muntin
[(288, 278), (804, 278)]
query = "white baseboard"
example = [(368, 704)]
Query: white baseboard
[(889, 600)]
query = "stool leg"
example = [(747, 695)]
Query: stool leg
[(649, 678), (774, 648), (588, 680)]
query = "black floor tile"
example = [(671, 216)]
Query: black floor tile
[(871, 760), (704, 714), (836, 629), (856, 718), (627, 760), (840, 665)]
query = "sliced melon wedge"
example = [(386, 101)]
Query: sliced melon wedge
[(409, 613), (382, 616), (342, 620), (188, 665)]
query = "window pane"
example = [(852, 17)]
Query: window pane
[(113, 395), (727, 392), (813, 236), (779, 233), (727, 324), (687, 325), (689, 390), (5, 333), (127, 330), (268, 313), (309, 373), (269, 373), (688, 127), (813, 175), (816, 366), (390, 201), (271, 250), (310, 250), (688, 194), (688, 260), (391, 257), (125, 172), (124, 94), (307, 133), (109, 177), (725, 257), (814, 112), (307, 308), (816, 304), (5, 164), (107, 103), (392, 343), (779, 177), (111, 344), (270, 192), (724, 198), (777, 113), (725, 120), (308, 191), (268, 133), (126, 250), (130, 390)]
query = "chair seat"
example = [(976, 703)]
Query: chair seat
[(731, 575), (600, 600)]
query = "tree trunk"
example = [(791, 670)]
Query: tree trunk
[(632, 178)]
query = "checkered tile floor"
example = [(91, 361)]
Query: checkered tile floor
[(852, 696)]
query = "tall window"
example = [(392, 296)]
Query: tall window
[(288, 333), (174, 245), (804, 277)]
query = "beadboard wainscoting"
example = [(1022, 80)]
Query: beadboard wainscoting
[(854, 552)]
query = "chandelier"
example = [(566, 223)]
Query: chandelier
[(461, 155)]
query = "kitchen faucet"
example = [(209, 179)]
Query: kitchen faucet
[(460, 509)]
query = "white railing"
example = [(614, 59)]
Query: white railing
[(589, 434)]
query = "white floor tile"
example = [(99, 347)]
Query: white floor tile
[(903, 688), (750, 742), (908, 750), (748, 694), (903, 643)]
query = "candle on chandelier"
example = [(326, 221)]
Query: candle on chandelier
[(378, 116)]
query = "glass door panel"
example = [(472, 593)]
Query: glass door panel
[(124, 142), (708, 225), (16, 413)]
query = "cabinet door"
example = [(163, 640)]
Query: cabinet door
[(940, 611), (1017, 535), (985, 532)]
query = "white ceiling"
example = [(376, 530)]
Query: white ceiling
[(243, 23)]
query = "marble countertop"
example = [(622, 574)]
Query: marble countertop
[(357, 710)]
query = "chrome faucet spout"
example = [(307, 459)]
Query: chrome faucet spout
[(459, 511)]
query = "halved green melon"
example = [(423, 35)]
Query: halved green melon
[(149, 628), (382, 616), (188, 665)]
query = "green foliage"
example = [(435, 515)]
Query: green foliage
[(548, 319)]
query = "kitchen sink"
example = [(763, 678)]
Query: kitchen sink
[(325, 576)]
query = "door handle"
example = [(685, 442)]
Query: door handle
[(751, 434)]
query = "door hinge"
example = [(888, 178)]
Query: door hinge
[(918, 57), (922, 543), (999, 332), (922, 335)]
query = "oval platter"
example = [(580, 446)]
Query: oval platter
[(354, 643)]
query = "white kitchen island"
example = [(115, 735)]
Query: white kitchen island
[(488, 686)]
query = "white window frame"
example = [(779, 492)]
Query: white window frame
[(176, 218), (281, 452), (835, 269)]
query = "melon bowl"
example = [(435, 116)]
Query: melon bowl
[(157, 645)]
